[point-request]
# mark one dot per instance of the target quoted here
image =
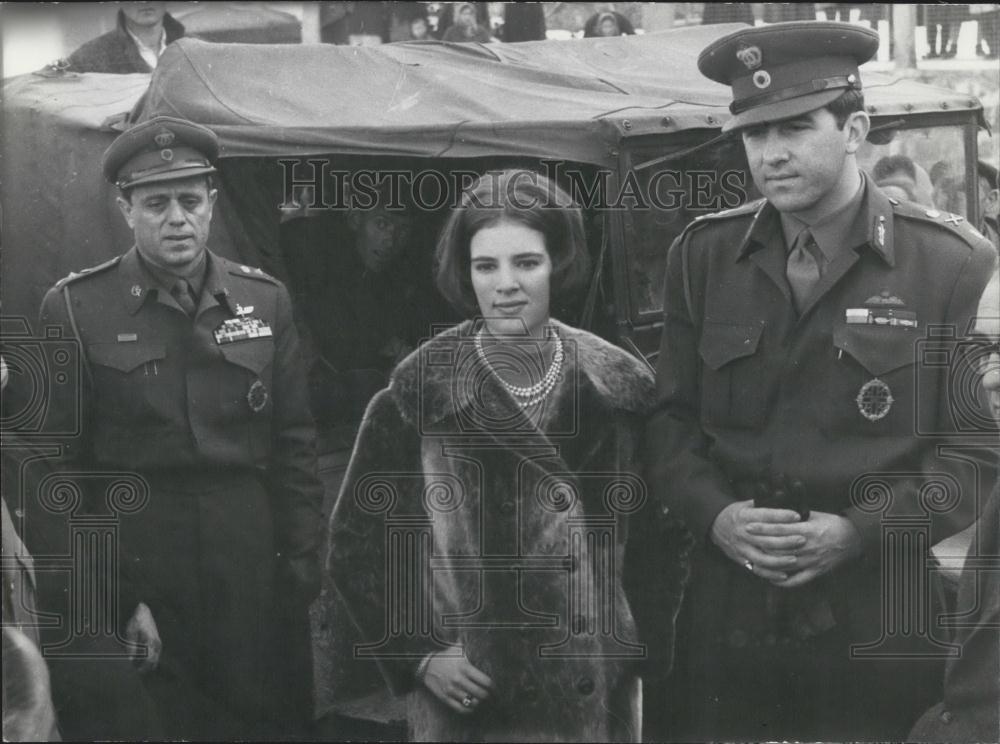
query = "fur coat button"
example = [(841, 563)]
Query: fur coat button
[(585, 685), (946, 717)]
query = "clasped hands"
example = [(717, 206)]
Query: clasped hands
[(779, 546)]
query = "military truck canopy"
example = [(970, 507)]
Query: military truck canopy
[(570, 100)]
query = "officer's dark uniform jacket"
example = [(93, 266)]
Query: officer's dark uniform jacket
[(749, 388), (219, 427)]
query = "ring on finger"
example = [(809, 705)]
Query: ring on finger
[(468, 701), (748, 566)]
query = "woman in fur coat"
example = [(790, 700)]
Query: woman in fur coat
[(493, 540)]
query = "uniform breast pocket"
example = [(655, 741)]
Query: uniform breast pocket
[(247, 384), (734, 387), (128, 380), (872, 388)]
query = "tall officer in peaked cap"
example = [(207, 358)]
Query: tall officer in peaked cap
[(787, 380), (193, 381)]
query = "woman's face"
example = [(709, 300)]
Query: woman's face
[(511, 275)]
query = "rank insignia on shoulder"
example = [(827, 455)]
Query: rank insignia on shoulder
[(124, 338), (874, 399), (241, 329)]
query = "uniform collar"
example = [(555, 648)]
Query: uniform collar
[(871, 225), (138, 283)]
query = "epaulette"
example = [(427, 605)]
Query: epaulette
[(77, 275), (249, 272), (955, 224), (744, 210)]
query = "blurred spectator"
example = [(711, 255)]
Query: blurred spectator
[(780, 12), (607, 23), (943, 22), (989, 202), (142, 32), (727, 13), (987, 17), (355, 23), (447, 12), (466, 26), (408, 21), (420, 30), (523, 22), (899, 177)]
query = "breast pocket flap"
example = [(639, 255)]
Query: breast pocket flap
[(722, 343), (125, 357), (253, 354), (878, 350)]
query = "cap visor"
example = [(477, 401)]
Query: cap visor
[(170, 175), (783, 109)]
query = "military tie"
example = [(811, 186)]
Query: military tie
[(804, 268), (181, 292)]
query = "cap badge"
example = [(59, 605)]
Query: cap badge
[(164, 139), (750, 56), (136, 290), (167, 154), (762, 79), (874, 399)]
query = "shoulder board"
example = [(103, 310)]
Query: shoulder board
[(956, 224), (93, 270), (249, 272), (744, 210)]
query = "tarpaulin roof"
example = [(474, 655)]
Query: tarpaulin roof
[(572, 100), (569, 99)]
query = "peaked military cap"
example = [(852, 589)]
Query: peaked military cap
[(162, 149), (784, 70)]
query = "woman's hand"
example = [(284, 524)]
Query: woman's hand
[(456, 682)]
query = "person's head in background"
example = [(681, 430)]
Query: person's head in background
[(988, 181), (607, 25), (419, 31), (465, 15), (143, 15), (900, 178), (382, 227)]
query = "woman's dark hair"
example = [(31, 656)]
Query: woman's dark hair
[(527, 198)]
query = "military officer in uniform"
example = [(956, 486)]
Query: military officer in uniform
[(192, 379), (795, 416)]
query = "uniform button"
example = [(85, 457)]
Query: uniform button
[(946, 716), (738, 639), (585, 685), (507, 507)]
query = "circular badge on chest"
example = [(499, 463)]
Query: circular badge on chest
[(257, 396), (874, 399)]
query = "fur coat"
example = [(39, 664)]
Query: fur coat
[(540, 551)]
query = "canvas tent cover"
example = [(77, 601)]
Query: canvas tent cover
[(572, 100)]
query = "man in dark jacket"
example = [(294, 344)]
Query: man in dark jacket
[(194, 403), (142, 32), (793, 431), (970, 711)]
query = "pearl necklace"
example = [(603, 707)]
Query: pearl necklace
[(531, 395)]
